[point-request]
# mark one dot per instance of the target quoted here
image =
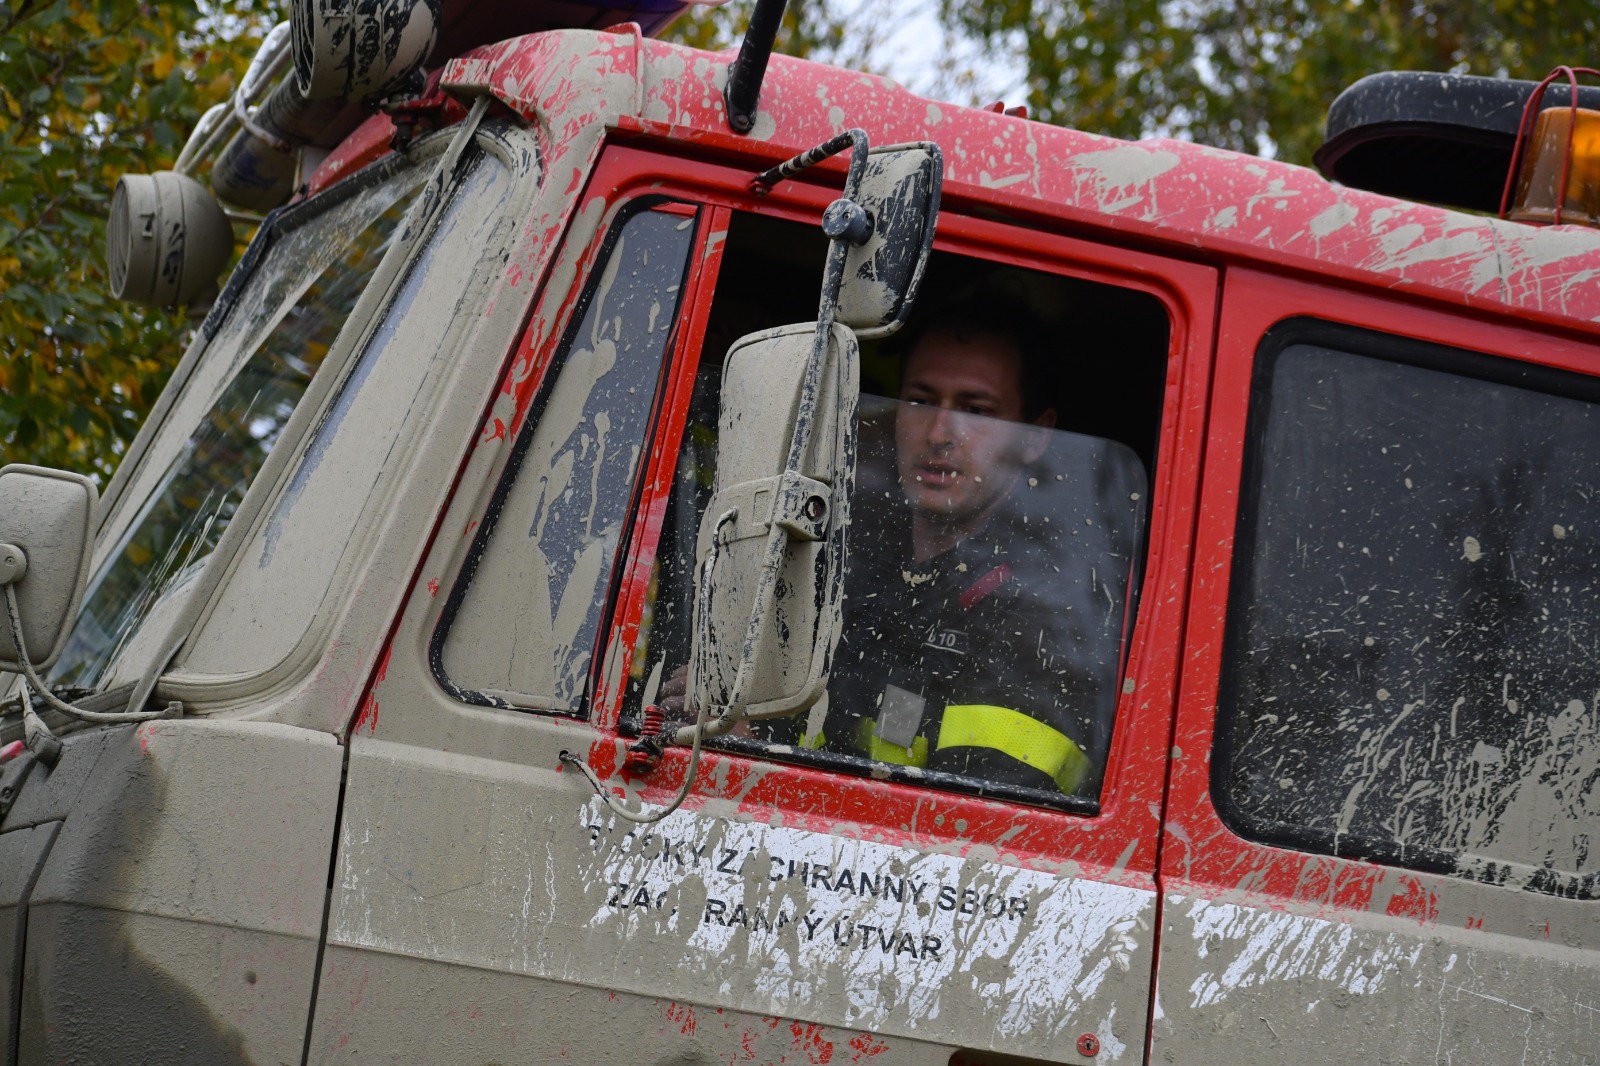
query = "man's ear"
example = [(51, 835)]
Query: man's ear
[(1039, 439)]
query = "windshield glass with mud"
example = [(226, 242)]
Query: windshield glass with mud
[(276, 335)]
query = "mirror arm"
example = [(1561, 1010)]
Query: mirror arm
[(14, 617), (841, 224), (800, 511), (691, 735), (871, 272), (702, 729), (855, 140)]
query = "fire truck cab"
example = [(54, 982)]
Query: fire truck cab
[(1258, 720)]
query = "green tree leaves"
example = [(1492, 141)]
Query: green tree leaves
[(811, 29), (1258, 75), (1251, 75), (89, 90)]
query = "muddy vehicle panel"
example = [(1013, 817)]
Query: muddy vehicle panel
[(1246, 715), (1428, 735)]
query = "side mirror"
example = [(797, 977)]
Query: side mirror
[(771, 548), (46, 533), (777, 664), (900, 194)]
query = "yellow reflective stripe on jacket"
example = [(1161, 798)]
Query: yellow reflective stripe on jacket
[(1028, 740), (879, 750)]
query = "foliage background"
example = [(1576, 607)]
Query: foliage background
[(90, 89), (1258, 75)]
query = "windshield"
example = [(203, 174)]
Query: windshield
[(275, 338)]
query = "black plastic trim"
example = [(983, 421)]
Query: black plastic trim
[(1440, 138)]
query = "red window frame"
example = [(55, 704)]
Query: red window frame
[(525, 376), (1201, 855), (1119, 844)]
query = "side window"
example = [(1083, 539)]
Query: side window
[(521, 623), (997, 530), (1409, 669)]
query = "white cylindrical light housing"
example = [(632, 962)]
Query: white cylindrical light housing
[(360, 49), (167, 239)]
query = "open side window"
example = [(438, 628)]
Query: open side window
[(998, 527)]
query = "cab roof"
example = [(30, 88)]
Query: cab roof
[(1200, 201)]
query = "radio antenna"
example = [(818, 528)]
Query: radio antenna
[(743, 90)]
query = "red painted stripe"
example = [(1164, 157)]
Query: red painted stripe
[(979, 589)]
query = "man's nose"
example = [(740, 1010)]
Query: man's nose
[(942, 427)]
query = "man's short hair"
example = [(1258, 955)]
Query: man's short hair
[(1004, 317)]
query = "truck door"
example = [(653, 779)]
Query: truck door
[(830, 890), (1380, 833)]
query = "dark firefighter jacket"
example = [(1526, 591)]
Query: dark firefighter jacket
[(999, 658)]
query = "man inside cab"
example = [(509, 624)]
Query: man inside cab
[(973, 638), (986, 589)]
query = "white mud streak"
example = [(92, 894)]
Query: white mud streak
[(1242, 984), (772, 920)]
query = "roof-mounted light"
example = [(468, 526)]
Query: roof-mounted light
[(1439, 138), (350, 50), (167, 239), (1556, 169)]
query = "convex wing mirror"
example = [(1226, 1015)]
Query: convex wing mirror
[(46, 533), (900, 195), (757, 500), (771, 548)]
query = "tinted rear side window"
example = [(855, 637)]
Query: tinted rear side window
[(1413, 653)]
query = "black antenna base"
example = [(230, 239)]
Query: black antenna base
[(743, 92)]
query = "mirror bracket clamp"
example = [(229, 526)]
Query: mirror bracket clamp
[(846, 220), (802, 506), (13, 564)]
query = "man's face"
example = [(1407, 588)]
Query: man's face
[(960, 439)]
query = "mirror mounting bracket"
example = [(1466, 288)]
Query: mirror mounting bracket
[(847, 220), (801, 508), (13, 563), (892, 250), (770, 580)]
